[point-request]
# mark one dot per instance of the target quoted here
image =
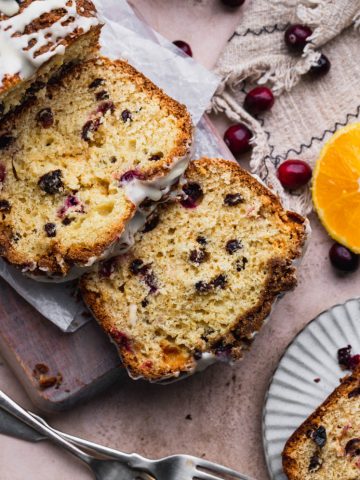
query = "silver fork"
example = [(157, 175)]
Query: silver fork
[(175, 467), (103, 469)]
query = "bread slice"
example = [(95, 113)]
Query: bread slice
[(76, 163), (202, 276), (327, 445), (37, 40)]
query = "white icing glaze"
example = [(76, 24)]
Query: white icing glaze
[(14, 59), (9, 7)]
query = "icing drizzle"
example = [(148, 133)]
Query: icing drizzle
[(19, 51), (9, 7)]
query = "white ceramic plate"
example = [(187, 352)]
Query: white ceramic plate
[(293, 394)]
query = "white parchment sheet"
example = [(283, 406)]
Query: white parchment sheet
[(125, 36)]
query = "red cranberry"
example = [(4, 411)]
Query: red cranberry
[(237, 138), (294, 174), (233, 3), (321, 68), (296, 37), (185, 47), (343, 259), (259, 100)]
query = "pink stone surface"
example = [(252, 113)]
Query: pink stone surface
[(225, 403)]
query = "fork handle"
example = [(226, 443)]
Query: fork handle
[(132, 459), (6, 403)]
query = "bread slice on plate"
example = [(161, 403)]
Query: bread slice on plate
[(37, 40), (76, 163), (202, 276), (327, 445)]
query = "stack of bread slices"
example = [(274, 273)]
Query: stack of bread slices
[(179, 264)]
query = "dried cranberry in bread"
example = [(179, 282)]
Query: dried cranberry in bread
[(76, 162), (37, 40), (327, 445), (202, 276)]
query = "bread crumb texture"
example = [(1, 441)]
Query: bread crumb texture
[(64, 156), (203, 275), (327, 445)]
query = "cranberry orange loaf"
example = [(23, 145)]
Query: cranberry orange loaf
[(327, 445), (39, 37), (76, 162), (202, 275)]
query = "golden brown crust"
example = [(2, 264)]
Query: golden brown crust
[(290, 455), (241, 332)]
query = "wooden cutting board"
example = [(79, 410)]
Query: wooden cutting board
[(85, 359)]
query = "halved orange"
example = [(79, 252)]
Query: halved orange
[(336, 186)]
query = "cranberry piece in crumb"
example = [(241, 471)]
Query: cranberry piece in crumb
[(151, 223), (219, 282), (45, 118), (198, 256), (51, 182), (296, 37), (2, 173), (136, 266), (89, 128), (5, 206), (6, 140), (319, 436), (233, 3), (151, 281), (194, 194), (343, 259), (237, 138), (202, 287), (352, 448), (121, 339), (96, 83), (105, 107), (233, 199), (321, 68), (201, 239), (294, 174), (233, 246), (50, 229), (259, 100), (185, 47), (241, 264), (103, 95), (126, 115), (315, 463), (131, 175), (107, 268)]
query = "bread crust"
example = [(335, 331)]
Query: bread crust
[(240, 333), (289, 454), (57, 261)]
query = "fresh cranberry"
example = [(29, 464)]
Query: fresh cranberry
[(343, 259), (321, 68), (185, 47), (259, 100), (294, 174), (233, 3), (237, 138), (296, 37)]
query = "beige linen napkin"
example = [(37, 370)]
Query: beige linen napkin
[(306, 112)]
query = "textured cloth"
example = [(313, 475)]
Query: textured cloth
[(306, 111)]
